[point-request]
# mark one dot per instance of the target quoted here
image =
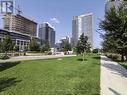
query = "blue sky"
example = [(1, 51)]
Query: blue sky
[(63, 11)]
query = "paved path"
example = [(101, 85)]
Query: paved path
[(113, 78), (20, 58)]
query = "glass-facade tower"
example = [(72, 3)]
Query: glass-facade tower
[(82, 24)]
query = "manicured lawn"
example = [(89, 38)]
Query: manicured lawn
[(68, 76)]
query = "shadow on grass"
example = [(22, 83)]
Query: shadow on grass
[(98, 58), (7, 65), (7, 82), (80, 59)]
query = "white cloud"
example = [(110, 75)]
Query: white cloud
[(55, 20)]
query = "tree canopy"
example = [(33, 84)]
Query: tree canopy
[(34, 46), (46, 47), (7, 44), (115, 27), (82, 45)]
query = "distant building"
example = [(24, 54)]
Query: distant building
[(47, 33), (18, 39), (19, 24), (57, 45), (114, 3), (82, 24), (64, 40)]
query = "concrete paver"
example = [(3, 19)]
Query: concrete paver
[(21, 58), (113, 78)]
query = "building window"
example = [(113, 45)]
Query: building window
[(18, 42), (21, 42)]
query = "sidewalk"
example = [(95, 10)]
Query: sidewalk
[(113, 78), (21, 58)]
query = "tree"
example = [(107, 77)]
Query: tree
[(88, 50), (82, 45), (95, 50), (34, 46), (46, 47), (16, 48), (115, 26), (7, 44), (0, 46), (67, 46), (78, 48)]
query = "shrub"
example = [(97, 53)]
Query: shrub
[(115, 57), (16, 48), (4, 57), (109, 55), (95, 51), (112, 56), (16, 54), (49, 53)]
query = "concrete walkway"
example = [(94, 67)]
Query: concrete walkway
[(21, 58), (113, 78)]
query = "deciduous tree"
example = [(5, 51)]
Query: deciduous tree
[(82, 45), (7, 44), (34, 46)]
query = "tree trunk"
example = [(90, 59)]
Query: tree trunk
[(126, 56), (5, 53), (122, 57), (83, 57)]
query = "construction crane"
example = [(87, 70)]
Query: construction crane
[(19, 11)]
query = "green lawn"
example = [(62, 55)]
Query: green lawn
[(68, 76)]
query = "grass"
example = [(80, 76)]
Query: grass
[(124, 64), (69, 76)]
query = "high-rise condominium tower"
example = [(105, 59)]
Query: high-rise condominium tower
[(82, 24), (47, 33)]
